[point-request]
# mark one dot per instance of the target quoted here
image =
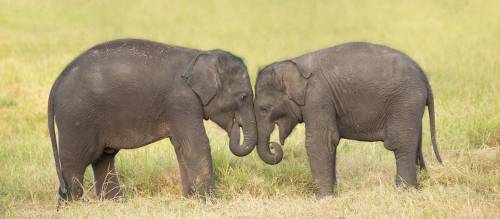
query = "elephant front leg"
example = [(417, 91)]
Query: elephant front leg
[(321, 150), (195, 161)]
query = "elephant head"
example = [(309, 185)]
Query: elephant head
[(279, 94), (221, 81)]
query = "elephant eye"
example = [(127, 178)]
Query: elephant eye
[(243, 97), (265, 109)]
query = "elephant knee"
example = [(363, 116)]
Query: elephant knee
[(390, 145), (335, 139)]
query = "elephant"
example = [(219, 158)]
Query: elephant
[(127, 93), (357, 90)]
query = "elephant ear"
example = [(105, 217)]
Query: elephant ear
[(202, 76), (292, 80)]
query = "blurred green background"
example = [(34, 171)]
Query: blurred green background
[(456, 42)]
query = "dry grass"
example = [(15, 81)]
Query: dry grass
[(456, 42)]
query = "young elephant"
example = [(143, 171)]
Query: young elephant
[(357, 91), (125, 94)]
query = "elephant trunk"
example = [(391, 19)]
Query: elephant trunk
[(247, 120), (264, 146)]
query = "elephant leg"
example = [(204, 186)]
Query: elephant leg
[(321, 141), (107, 184), (334, 141), (402, 139), (321, 160), (406, 173), (195, 161), (76, 152), (73, 173), (420, 155)]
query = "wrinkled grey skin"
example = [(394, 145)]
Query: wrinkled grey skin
[(357, 91), (125, 94)]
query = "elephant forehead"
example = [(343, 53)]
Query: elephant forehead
[(232, 64), (264, 97), (265, 81), (238, 76), (237, 83), (262, 88)]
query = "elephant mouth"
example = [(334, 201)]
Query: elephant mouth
[(280, 135), (235, 129), (229, 122), (285, 128), (233, 125)]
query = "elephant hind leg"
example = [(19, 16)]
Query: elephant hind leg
[(406, 173), (107, 184), (73, 174), (76, 152), (420, 155), (402, 139)]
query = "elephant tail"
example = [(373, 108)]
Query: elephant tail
[(432, 120), (62, 189)]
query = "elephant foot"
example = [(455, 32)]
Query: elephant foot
[(112, 194), (322, 195), (202, 191), (402, 183)]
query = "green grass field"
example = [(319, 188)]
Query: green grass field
[(456, 42)]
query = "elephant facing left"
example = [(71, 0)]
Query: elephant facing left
[(127, 93)]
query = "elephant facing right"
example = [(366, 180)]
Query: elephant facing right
[(358, 91)]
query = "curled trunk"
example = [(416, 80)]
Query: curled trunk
[(247, 120), (264, 146)]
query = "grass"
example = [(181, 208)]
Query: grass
[(456, 42)]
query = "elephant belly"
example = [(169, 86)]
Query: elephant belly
[(363, 127), (365, 135), (361, 116), (132, 116), (134, 137)]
